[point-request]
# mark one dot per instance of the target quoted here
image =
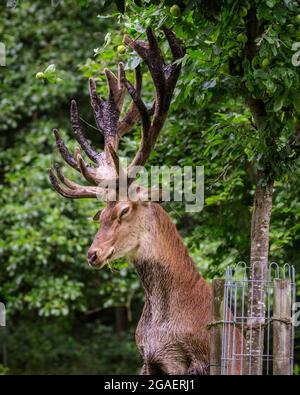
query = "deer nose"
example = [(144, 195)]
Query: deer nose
[(92, 257)]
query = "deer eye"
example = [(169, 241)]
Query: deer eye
[(124, 211)]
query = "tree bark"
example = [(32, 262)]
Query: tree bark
[(261, 216), (260, 225), (282, 327), (216, 329)]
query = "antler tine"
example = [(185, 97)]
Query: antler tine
[(92, 175), (65, 153), (116, 88), (107, 112), (164, 78), (88, 173), (138, 79), (173, 70), (132, 115), (146, 122), (175, 44), (93, 190), (152, 56), (117, 165), (79, 192), (96, 103), (70, 184), (115, 158), (136, 98), (91, 153)]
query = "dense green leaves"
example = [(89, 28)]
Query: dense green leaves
[(44, 279), (44, 238)]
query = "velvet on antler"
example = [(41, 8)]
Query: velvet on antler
[(107, 171)]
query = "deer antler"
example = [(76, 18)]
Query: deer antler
[(164, 78), (132, 116), (107, 114)]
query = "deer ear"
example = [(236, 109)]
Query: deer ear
[(96, 217), (140, 194)]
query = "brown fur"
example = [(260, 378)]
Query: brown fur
[(172, 334)]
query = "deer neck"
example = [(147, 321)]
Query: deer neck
[(163, 264)]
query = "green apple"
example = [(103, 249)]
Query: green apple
[(242, 38), (297, 19), (121, 49), (175, 11), (265, 63), (40, 75), (243, 12)]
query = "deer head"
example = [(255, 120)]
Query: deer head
[(124, 220)]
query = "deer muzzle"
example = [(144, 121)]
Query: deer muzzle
[(98, 258)]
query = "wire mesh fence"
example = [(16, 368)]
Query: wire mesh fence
[(257, 340)]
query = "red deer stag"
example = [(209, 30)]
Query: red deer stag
[(172, 334)]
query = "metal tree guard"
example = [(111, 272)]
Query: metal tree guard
[(231, 320)]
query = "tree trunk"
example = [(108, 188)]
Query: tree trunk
[(260, 225), (282, 328)]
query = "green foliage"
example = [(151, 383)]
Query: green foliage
[(3, 370), (50, 74), (45, 282), (49, 348), (43, 269), (211, 123)]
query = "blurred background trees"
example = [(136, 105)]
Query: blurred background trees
[(62, 316)]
